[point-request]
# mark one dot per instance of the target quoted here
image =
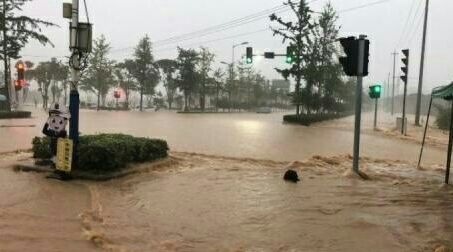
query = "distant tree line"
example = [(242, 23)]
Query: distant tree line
[(190, 81)]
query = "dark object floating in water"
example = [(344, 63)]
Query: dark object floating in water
[(291, 175)]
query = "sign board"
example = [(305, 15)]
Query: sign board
[(67, 10), (64, 154)]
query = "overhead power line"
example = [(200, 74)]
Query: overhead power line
[(418, 14), (417, 26), (217, 28), (216, 40), (406, 23)]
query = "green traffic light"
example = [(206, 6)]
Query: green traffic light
[(377, 89), (249, 61), (289, 60)]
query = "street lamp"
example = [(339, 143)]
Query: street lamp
[(234, 46)]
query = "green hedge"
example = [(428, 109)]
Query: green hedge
[(313, 118), (14, 114), (108, 152)]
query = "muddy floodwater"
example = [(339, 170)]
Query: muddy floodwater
[(238, 135), (221, 189)]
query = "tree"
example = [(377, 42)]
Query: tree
[(205, 67), (124, 75), (187, 79), (230, 86), (219, 85), (98, 77), (298, 35), (145, 70), (168, 70), (46, 73), (17, 31), (336, 92)]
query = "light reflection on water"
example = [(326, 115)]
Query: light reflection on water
[(241, 135)]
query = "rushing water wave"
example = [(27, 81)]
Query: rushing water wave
[(199, 202)]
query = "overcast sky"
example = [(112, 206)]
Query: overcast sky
[(125, 22)]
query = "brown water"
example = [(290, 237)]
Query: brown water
[(194, 202), (239, 135)]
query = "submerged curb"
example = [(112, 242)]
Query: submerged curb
[(29, 166)]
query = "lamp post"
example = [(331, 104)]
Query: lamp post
[(234, 46), (232, 70)]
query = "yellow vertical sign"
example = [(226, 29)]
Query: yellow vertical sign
[(64, 154)]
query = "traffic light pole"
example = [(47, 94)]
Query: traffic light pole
[(403, 123), (358, 105), (75, 75), (375, 113)]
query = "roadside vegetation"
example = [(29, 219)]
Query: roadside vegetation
[(105, 153)]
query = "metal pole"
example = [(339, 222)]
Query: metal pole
[(74, 94), (447, 173), (422, 66), (424, 133), (5, 61), (403, 124), (388, 93), (232, 74), (358, 105), (393, 83), (375, 113)]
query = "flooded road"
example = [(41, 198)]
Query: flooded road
[(195, 202), (238, 135), (232, 197)]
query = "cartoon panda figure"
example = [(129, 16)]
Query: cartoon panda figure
[(55, 127)]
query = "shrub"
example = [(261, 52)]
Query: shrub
[(313, 118), (108, 152), (41, 148)]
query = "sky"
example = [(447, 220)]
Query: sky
[(391, 25)]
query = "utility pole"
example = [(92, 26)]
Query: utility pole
[(422, 67), (393, 82), (75, 75)]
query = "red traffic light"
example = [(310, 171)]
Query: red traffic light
[(117, 94), (18, 84), (20, 66)]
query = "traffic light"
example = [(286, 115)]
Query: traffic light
[(249, 55), (375, 91), (405, 68), (350, 62), (290, 54), (116, 94), (20, 70), (351, 49), (20, 82)]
